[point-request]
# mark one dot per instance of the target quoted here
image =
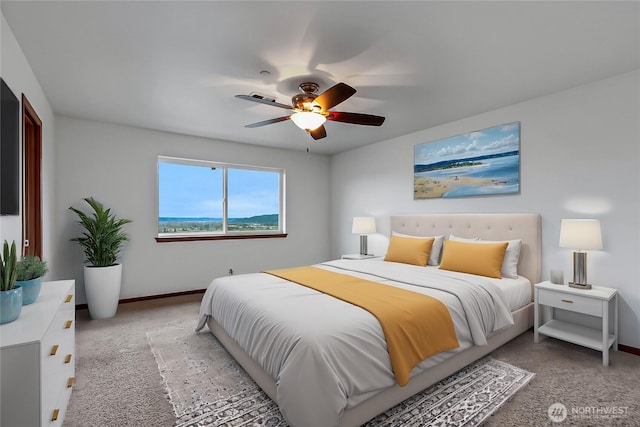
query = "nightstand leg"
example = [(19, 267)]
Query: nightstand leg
[(615, 323), (536, 318), (605, 333)]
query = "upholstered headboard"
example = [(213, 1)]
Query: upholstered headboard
[(486, 226)]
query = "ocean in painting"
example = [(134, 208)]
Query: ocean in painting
[(497, 175)]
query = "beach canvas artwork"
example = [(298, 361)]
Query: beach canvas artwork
[(479, 163)]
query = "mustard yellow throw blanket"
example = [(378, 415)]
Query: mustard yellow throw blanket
[(415, 326)]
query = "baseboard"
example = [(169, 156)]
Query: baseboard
[(629, 349), (150, 297)]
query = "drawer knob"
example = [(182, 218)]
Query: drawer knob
[(68, 325), (54, 417), (69, 298), (567, 300), (70, 382), (67, 359), (54, 350)]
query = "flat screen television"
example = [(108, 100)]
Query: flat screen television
[(9, 152)]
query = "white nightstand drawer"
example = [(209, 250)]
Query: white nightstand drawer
[(575, 303)]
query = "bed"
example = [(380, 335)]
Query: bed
[(338, 378)]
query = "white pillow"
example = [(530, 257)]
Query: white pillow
[(436, 248), (511, 256), (463, 239)]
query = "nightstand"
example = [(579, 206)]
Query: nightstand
[(358, 256), (595, 302)]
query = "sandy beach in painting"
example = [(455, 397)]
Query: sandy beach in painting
[(426, 187)]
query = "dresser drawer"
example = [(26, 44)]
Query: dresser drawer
[(575, 303), (69, 302), (55, 396), (58, 344), (56, 370)]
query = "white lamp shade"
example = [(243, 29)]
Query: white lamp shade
[(580, 234), (308, 121), (364, 225)]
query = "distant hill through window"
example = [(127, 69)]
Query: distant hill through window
[(198, 225)]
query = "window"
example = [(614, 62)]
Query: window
[(200, 200)]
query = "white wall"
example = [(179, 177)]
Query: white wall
[(580, 157), (17, 73), (117, 165)]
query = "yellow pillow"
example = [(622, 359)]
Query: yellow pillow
[(474, 258), (409, 250)]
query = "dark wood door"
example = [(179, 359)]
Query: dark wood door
[(32, 184)]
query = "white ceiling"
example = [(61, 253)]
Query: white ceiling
[(176, 65)]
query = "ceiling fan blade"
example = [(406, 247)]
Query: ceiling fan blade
[(355, 118), (263, 101), (318, 133), (334, 96), (268, 122)]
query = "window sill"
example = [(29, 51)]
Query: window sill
[(222, 237)]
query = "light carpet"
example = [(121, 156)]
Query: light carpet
[(208, 388)]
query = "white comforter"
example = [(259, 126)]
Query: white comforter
[(327, 355)]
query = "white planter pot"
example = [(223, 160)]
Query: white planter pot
[(102, 286)]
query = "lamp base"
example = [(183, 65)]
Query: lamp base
[(579, 286), (363, 245), (579, 271)]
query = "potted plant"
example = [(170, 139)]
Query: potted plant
[(29, 277), (10, 295), (102, 242)]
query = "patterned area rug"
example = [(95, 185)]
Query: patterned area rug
[(208, 388)]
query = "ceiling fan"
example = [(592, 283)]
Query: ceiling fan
[(311, 110)]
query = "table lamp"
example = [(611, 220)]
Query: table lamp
[(580, 234), (363, 225)]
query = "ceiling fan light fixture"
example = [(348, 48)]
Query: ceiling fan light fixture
[(310, 111), (308, 121)]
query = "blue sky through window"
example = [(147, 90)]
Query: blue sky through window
[(252, 193), (188, 191)]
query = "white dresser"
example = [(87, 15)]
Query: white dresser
[(37, 359)]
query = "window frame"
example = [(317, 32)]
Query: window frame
[(225, 234)]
